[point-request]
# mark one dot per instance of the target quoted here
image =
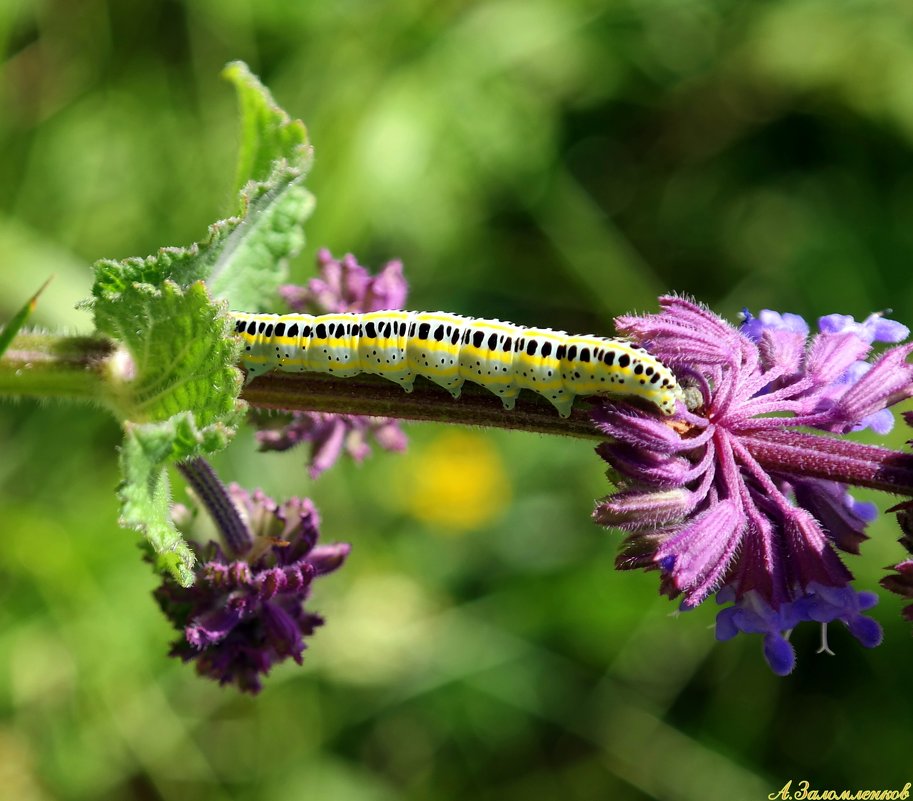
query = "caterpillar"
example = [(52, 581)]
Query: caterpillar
[(449, 349)]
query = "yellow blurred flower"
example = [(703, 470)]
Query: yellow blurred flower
[(456, 482)]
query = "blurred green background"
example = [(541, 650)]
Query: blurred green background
[(552, 162)]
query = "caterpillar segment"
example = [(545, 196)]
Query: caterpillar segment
[(382, 346), (449, 349), (487, 355), (433, 348)]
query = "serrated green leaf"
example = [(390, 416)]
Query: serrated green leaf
[(145, 494), (182, 354), (268, 134), (178, 393), (182, 266), (244, 259), (9, 331), (274, 156), (253, 260), (179, 386)]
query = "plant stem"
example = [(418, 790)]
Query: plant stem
[(87, 368), (50, 366), (214, 496), (373, 395), (834, 459)]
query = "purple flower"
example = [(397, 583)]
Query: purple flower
[(331, 434), (875, 328), (343, 286), (245, 612), (732, 496)]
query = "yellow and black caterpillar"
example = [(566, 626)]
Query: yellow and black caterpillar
[(449, 349)]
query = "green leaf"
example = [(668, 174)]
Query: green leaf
[(243, 259), (253, 259), (274, 157), (9, 331), (178, 391), (268, 134), (181, 353), (177, 386), (145, 494), (182, 266)]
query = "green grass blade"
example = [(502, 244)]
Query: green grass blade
[(13, 327)]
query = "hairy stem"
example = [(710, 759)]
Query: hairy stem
[(373, 395), (50, 366), (835, 459), (214, 496), (92, 368)]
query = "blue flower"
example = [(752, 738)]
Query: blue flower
[(875, 328), (751, 614)]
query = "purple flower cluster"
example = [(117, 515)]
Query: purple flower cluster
[(342, 286), (345, 286), (731, 496), (245, 612), (329, 435)]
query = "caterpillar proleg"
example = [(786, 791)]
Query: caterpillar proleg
[(449, 349)]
